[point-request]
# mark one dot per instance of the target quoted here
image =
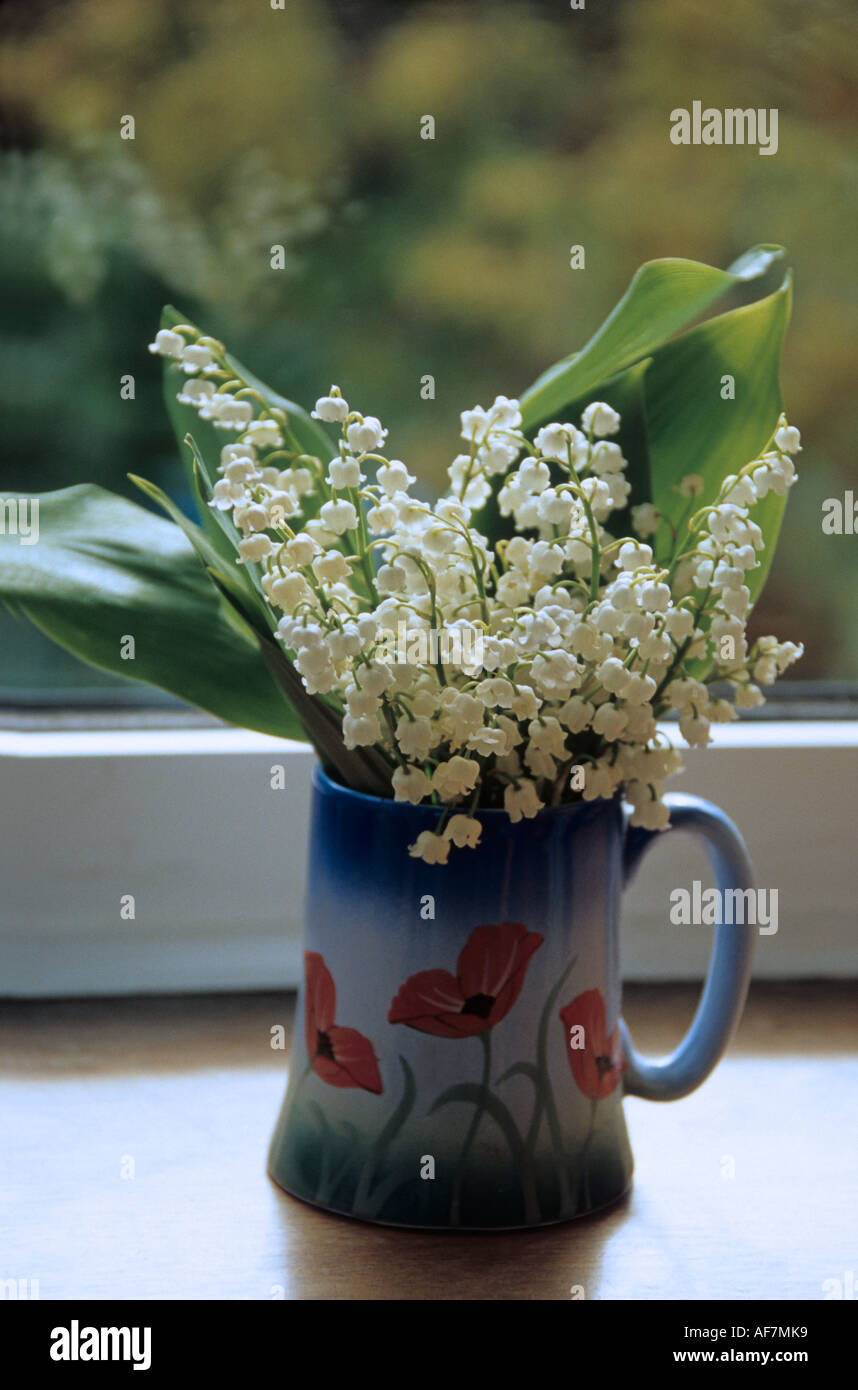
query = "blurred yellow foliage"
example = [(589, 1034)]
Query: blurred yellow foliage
[(301, 126)]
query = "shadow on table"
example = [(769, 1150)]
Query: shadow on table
[(337, 1258)]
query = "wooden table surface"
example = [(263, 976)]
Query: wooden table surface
[(135, 1131)]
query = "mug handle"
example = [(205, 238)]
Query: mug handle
[(723, 996)]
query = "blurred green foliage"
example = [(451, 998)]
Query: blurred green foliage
[(405, 256)]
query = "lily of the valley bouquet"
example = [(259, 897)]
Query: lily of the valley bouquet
[(515, 644)]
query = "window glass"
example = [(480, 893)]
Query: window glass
[(405, 256)]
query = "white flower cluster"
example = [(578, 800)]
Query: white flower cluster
[(585, 641)]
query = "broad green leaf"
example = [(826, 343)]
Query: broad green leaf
[(663, 298), (693, 430), (685, 425), (104, 569)]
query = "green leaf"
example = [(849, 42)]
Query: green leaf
[(693, 430), (664, 296), (104, 569), (678, 422), (624, 364)]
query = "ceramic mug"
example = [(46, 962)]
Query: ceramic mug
[(459, 1058)]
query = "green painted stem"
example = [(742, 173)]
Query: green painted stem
[(479, 1111), (585, 1154), (556, 1140), (544, 1102), (385, 1139)]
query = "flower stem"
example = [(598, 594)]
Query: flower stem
[(456, 1201)]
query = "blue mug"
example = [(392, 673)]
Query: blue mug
[(459, 1059)]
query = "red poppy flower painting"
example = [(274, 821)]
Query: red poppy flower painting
[(340, 1056), (597, 1065), (489, 975)]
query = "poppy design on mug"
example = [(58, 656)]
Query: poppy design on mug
[(340, 1056), (597, 1065), (489, 975)]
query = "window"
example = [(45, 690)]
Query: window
[(402, 256)]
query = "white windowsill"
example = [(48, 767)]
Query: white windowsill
[(76, 743), (215, 858)]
